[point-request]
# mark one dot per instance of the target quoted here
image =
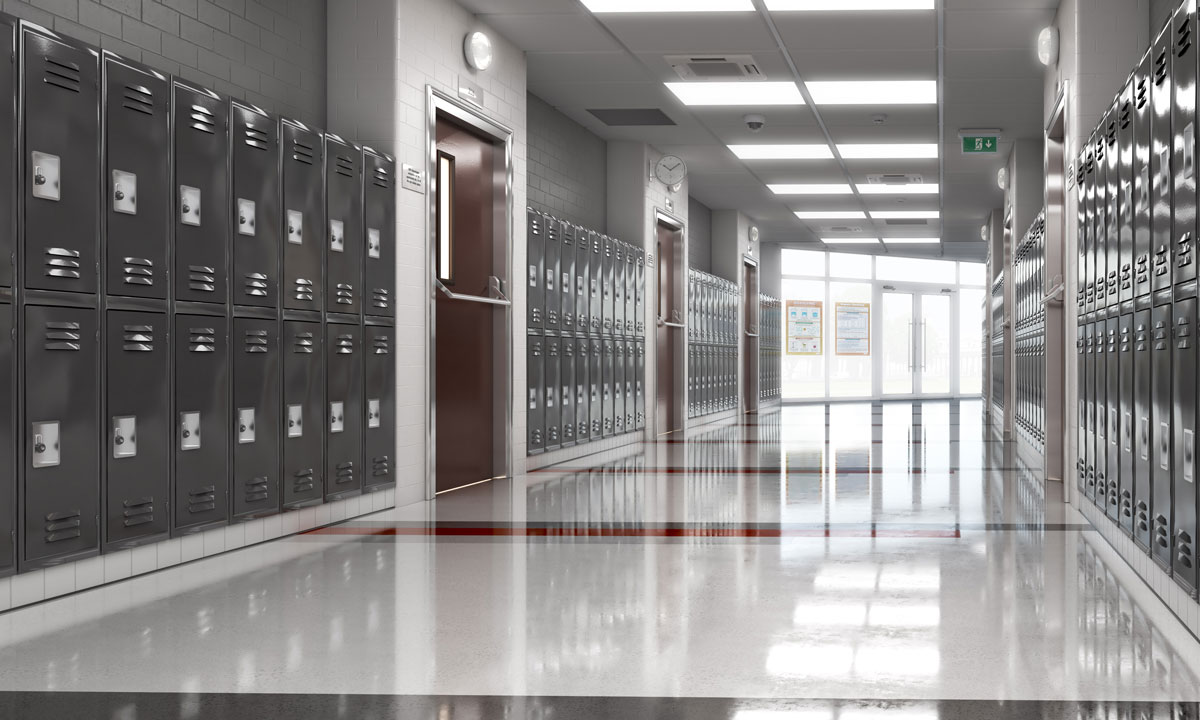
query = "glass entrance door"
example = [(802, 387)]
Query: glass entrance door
[(916, 358), (897, 347), (934, 348)]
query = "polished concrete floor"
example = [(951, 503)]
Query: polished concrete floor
[(838, 562)]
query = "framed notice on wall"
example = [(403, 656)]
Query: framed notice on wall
[(805, 327), (853, 328)]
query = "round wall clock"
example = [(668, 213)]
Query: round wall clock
[(670, 171)]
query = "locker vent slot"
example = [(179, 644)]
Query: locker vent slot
[(379, 298), (1160, 68), (380, 345), (139, 338), (138, 99), (202, 500), (256, 138), (202, 340), (304, 289), (344, 166), (381, 466), (63, 336), (303, 480), (201, 278), (302, 152), (62, 74), (256, 284), (256, 341), (380, 178), (1142, 95), (303, 344), (345, 344), (138, 512), (345, 473), (345, 294), (256, 489), (1183, 37), (139, 271), (1126, 115), (62, 525), (62, 263), (203, 120)]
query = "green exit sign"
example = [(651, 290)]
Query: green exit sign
[(980, 143)]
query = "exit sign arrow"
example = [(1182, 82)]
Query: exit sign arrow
[(980, 143)]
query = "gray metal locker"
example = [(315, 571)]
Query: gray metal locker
[(535, 380), (609, 398), (201, 194), (618, 376), (1112, 398), (1099, 214), (630, 384), (1183, 427), (639, 298), (344, 231), (1112, 218), (201, 423), (1160, 161), (62, 455), (303, 178), (692, 374), (1081, 263), (256, 233), (1142, 406), (595, 276), (551, 259), (343, 410), (255, 417), (553, 410), (379, 437), (1088, 392), (8, 464), (606, 284), (596, 388), (137, 403), (1143, 188), (302, 471), (379, 219), (8, 184), (1126, 410), (639, 371), (583, 258), (1183, 124), (631, 290), (1160, 428), (566, 277), (1126, 193), (1088, 230), (618, 285), (61, 151), (535, 247), (137, 206), (566, 389), (583, 352)]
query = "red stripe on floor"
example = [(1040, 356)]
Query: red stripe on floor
[(634, 532)]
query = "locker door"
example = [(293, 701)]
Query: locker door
[(618, 285), (1112, 234), (1100, 215), (631, 254), (1160, 428), (1089, 393), (1112, 464), (344, 411), (255, 417), (1125, 483), (8, 467), (303, 472), (609, 398), (1183, 427), (1183, 126), (553, 410), (1143, 189), (566, 278), (639, 371), (582, 424), (618, 386), (344, 234), (630, 396), (62, 488), (596, 388), (535, 374), (606, 283), (535, 247), (691, 384), (201, 190), (595, 281), (380, 433), (1142, 406), (1082, 267), (138, 202), (553, 294), (201, 404), (256, 222), (303, 216), (137, 489), (639, 298), (379, 218), (1088, 229), (1125, 193), (8, 179), (1160, 160), (583, 258), (62, 164), (566, 388)]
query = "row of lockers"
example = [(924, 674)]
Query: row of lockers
[(996, 345), (583, 282), (712, 378), (712, 309), (583, 389), (151, 425), (1029, 341), (1136, 209), (125, 181), (770, 347)]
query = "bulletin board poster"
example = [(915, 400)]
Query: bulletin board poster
[(805, 327), (853, 329)]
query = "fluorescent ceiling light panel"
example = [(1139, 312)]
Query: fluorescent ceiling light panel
[(831, 215), (809, 189), (850, 241), (918, 189), (874, 92), (782, 152), (668, 6), (847, 5), (886, 151), (747, 92), (905, 214), (911, 241)]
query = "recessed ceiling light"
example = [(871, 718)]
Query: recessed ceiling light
[(831, 215), (905, 214), (848, 5), (809, 189), (850, 241), (737, 93), (911, 241), (782, 152), (874, 92), (668, 6), (888, 151), (918, 189)]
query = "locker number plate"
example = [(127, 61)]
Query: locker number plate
[(246, 216), (373, 413), (336, 419), (124, 437), (245, 427), (45, 444), (189, 205), (373, 243), (295, 421), (189, 431), (295, 227), (47, 177), (337, 235)]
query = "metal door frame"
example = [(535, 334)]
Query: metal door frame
[(1058, 140), (745, 335), (437, 102), (917, 344), (679, 397)]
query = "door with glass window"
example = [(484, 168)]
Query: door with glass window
[(916, 349)]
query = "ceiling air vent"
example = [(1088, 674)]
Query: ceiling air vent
[(905, 221), (631, 117), (895, 179), (713, 67), (845, 229)]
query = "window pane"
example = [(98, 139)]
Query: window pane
[(849, 375), (804, 375), (915, 269), (972, 273), (896, 345), (843, 265), (970, 342), (803, 262)]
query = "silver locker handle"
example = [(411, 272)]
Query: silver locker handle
[(1164, 446)]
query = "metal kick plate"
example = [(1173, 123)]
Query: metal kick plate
[(47, 177), (246, 216), (189, 431), (337, 235), (245, 427), (373, 418), (295, 416), (189, 205), (124, 192), (374, 246), (295, 227), (336, 419), (45, 444), (124, 437)]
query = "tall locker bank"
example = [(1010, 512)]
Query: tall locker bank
[(379, 435), (303, 473), (343, 251), (379, 333), (8, 233), (344, 411), (202, 422), (379, 220), (256, 218), (256, 372), (201, 166), (303, 162)]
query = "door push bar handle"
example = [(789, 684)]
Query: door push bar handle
[(751, 335), (503, 301), (664, 323), (1056, 293)]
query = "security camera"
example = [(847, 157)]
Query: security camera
[(755, 122)]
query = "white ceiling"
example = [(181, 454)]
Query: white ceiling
[(991, 78)]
